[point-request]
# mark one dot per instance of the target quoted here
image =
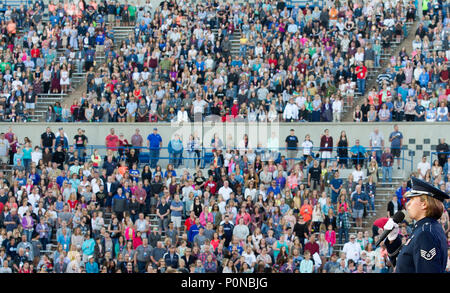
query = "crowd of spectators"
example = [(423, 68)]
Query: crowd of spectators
[(415, 87), (64, 210), (44, 44), (292, 63)]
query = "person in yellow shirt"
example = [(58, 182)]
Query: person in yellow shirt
[(243, 48), (96, 159)]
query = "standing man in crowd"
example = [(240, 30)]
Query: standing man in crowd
[(80, 140), (326, 146), (112, 140), (396, 139), (359, 200), (423, 167), (137, 141), (361, 73), (376, 141), (48, 140), (154, 142), (291, 147), (387, 160), (4, 148)]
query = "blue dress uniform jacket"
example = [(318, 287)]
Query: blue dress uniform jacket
[(424, 252)]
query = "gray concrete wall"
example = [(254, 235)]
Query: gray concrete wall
[(418, 137)]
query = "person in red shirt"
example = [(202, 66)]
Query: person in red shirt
[(302, 66), (35, 53), (377, 224), (72, 201), (273, 60), (235, 109), (190, 221), (123, 144), (212, 185), (361, 73), (312, 245), (112, 140)]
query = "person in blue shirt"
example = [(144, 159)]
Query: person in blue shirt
[(154, 142), (91, 266), (89, 56), (335, 186), (403, 91), (420, 111), (64, 240), (280, 180), (61, 178), (88, 247), (358, 153), (100, 39), (359, 200), (35, 177), (424, 78), (400, 192), (135, 173), (228, 230), (193, 230), (54, 19), (119, 202), (175, 149), (274, 188)]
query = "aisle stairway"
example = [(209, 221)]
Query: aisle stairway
[(374, 72), (383, 195)]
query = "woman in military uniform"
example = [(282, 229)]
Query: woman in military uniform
[(425, 251)]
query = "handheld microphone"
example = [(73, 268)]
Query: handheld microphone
[(397, 218)]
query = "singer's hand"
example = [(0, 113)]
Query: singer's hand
[(391, 225)]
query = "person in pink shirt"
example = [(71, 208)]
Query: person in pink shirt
[(206, 216), (243, 214), (330, 237), (292, 181)]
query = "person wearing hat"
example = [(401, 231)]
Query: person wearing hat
[(425, 251), (352, 249)]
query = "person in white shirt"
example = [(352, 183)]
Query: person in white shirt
[(259, 50), (300, 101), (182, 115), (142, 225), (34, 197), (249, 256), (241, 230), (36, 155), (423, 167), (337, 109), (273, 144), (95, 183), (187, 189), (290, 113), (307, 146), (225, 191), (352, 249), (358, 174), (198, 106)]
